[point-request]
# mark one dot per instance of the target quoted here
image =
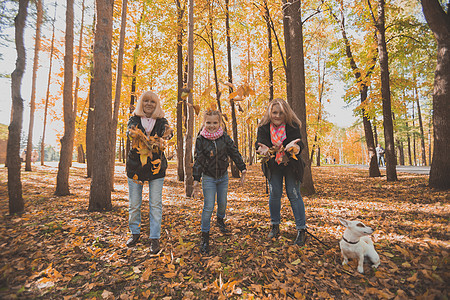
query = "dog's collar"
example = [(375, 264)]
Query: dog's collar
[(353, 243)]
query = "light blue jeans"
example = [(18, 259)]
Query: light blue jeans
[(155, 211), (294, 196), (213, 187)]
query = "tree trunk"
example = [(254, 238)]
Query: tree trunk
[(422, 136), (77, 75), (65, 160), (374, 170), (80, 157), (234, 169), (117, 95), (408, 138), (90, 125), (414, 137), (189, 179), (100, 193), (297, 83), (391, 171), (438, 20), (375, 134), (213, 50), (180, 101), (37, 48), (270, 52), (91, 114), (48, 88), (287, 42), (16, 203)]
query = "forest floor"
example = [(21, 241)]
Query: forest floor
[(59, 250)]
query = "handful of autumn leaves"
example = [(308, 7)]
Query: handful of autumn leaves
[(278, 152), (148, 145)]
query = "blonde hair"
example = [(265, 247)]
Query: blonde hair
[(213, 112), (289, 114), (139, 110)]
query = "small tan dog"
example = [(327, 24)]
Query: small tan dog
[(356, 243)]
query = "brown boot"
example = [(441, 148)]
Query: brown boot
[(132, 241), (154, 246)]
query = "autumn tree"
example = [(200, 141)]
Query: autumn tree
[(118, 92), (379, 21), (189, 179), (77, 75), (47, 94), (37, 48), (100, 192), (180, 83), (439, 21), (65, 161), (296, 81), (16, 203), (362, 79)]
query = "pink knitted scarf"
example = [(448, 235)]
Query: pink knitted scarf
[(212, 136)]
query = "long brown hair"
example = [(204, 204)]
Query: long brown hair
[(291, 117)]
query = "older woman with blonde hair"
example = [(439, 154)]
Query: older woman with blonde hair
[(148, 117)]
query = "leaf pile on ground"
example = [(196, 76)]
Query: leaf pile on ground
[(59, 250)]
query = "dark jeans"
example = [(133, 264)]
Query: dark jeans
[(293, 193)]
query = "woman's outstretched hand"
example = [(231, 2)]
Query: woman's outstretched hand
[(196, 191), (263, 149), (243, 173), (293, 144)]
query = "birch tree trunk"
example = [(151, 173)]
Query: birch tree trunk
[(37, 48), (65, 160), (16, 203), (48, 88)]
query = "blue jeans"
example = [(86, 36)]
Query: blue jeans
[(381, 161), (155, 212), (294, 196), (212, 187)]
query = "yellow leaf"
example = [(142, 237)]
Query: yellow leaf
[(197, 109), (207, 91), (143, 158), (296, 262)]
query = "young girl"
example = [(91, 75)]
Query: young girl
[(148, 117), (279, 140), (212, 149)]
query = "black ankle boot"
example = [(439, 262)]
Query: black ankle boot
[(154, 246), (133, 240), (221, 225), (275, 231), (301, 237), (204, 245)]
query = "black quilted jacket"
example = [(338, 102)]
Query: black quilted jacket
[(211, 157)]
